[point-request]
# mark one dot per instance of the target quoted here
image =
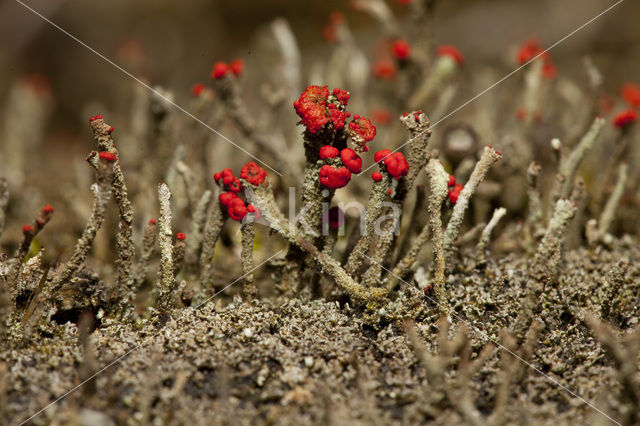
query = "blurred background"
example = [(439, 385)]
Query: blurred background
[(173, 45)]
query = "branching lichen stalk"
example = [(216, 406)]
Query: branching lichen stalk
[(569, 164), (101, 194), (264, 200), (124, 241), (374, 207), (489, 157)]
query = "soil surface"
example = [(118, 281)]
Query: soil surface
[(325, 362)]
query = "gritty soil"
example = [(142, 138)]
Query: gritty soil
[(294, 361)]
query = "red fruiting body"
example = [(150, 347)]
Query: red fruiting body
[(111, 129), (337, 117), (625, 119), (342, 95), (452, 180), (237, 66), (180, 236), (152, 221), (47, 208), (107, 156), (380, 155), (28, 229), (376, 176), (382, 117), (217, 176), (336, 17), (451, 52), (389, 191), (454, 193), (236, 209), (521, 113), (334, 178), (549, 70), (97, 117), (330, 31), (198, 89), (226, 198), (253, 173), (227, 176), (328, 151), (401, 50), (531, 49), (631, 93), (351, 160), (235, 186), (397, 165), (311, 107), (364, 128), (220, 69), (384, 68)]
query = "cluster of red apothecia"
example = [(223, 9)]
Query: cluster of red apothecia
[(321, 109), (218, 71), (237, 208)]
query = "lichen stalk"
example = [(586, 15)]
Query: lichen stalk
[(190, 183), (101, 195), (569, 164), (178, 253), (379, 192), (264, 200), (149, 237), (608, 213), (211, 233), (166, 279), (438, 180), (483, 243), (489, 157), (417, 124), (196, 234), (4, 202), (611, 288), (124, 241), (544, 266), (534, 214), (246, 256), (547, 256), (415, 223)]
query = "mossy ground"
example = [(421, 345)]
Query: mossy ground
[(295, 361)]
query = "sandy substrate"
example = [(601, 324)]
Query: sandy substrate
[(321, 362)]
